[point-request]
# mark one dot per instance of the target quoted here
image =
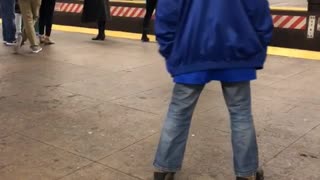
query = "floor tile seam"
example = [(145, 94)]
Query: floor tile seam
[(135, 109), (89, 67), (32, 119), (90, 107), (136, 93), (298, 106), (222, 131), (99, 102), (284, 99), (60, 88), (75, 93), (81, 156), (111, 99), (292, 108), (55, 147), (78, 65), (113, 103), (76, 170), (128, 146), (77, 81), (291, 144), (313, 104), (119, 171), (134, 68), (7, 135), (92, 163), (288, 77)]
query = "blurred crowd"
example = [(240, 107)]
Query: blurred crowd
[(32, 20)]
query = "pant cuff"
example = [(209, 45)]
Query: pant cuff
[(165, 169), (247, 174)]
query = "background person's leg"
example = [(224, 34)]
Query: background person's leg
[(49, 20), (245, 149), (150, 6), (28, 21), (8, 22), (42, 17), (101, 30), (35, 7)]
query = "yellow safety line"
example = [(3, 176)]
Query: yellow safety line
[(282, 8), (294, 53), (118, 34), (288, 8), (126, 1)]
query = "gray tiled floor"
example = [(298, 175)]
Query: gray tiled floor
[(93, 110)]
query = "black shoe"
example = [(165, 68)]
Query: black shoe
[(259, 176), (99, 38), (145, 38), (163, 176)]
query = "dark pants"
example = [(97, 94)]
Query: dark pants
[(150, 7), (101, 27), (8, 24), (46, 17)]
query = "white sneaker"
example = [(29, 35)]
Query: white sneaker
[(10, 43), (36, 49), (48, 41), (42, 39)]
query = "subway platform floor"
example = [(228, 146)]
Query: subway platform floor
[(84, 110)]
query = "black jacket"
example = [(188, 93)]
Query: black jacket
[(95, 10)]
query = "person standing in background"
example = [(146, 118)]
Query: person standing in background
[(150, 7), (30, 13), (8, 24), (97, 11), (45, 21)]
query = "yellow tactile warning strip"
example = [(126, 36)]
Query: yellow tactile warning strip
[(294, 53), (119, 34), (127, 1), (288, 8), (282, 8)]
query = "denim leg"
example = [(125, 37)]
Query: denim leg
[(8, 24), (175, 130), (245, 149)]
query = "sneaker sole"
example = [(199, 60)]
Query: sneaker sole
[(37, 51), (10, 44)]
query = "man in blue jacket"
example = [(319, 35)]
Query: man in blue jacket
[(223, 40)]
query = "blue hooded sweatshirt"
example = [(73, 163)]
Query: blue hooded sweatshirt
[(200, 35)]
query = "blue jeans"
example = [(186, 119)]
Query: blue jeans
[(175, 131), (8, 23)]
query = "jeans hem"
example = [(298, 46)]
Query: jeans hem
[(247, 174), (163, 169)]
